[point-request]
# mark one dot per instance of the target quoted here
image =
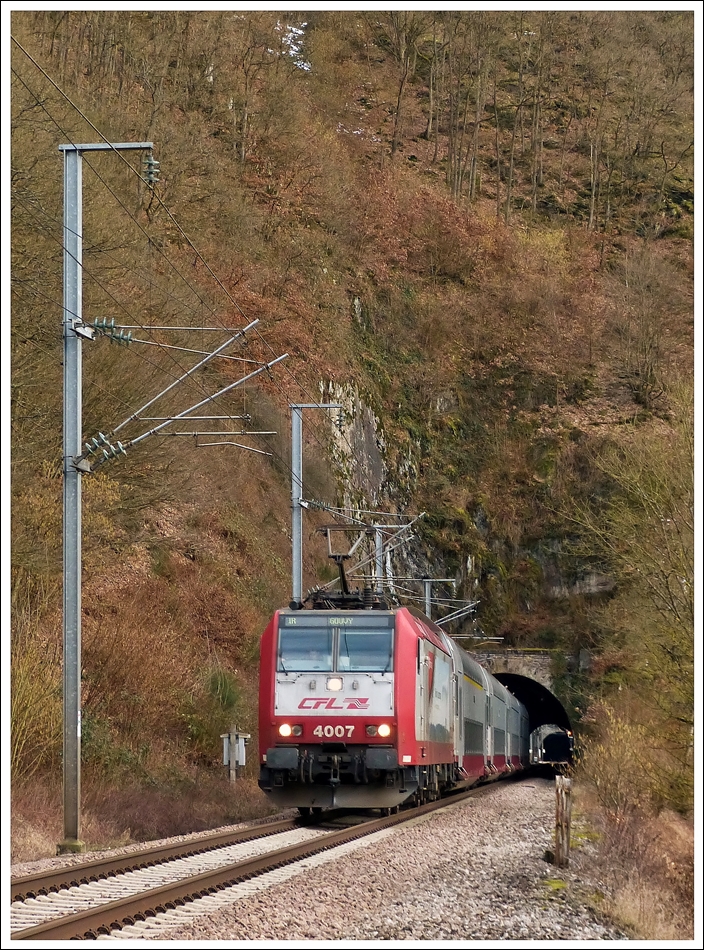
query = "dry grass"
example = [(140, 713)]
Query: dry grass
[(647, 864), (653, 877), (114, 816)]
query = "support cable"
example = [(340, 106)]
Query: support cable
[(161, 203)]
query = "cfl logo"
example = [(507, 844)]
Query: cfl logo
[(349, 702)]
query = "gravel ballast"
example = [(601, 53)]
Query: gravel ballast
[(474, 871)]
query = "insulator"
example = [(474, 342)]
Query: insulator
[(152, 170)]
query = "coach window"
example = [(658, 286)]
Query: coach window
[(305, 650), (365, 651)]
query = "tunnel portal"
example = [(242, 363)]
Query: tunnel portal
[(542, 705)]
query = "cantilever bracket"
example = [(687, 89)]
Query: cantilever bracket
[(83, 330)]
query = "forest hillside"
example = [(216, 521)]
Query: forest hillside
[(474, 231)]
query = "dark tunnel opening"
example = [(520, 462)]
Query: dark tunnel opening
[(543, 707)]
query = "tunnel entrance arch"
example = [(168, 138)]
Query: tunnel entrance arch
[(542, 705)]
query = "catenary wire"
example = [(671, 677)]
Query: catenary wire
[(184, 235), (167, 211), (145, 359)]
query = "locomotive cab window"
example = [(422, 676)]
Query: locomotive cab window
[(365, 651), (305, 650)]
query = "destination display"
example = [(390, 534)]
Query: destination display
[(358, 620)]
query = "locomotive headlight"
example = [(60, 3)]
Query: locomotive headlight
[(334, 683), (285, 729), (297, 730), (383, 730)]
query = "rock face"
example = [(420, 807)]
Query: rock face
[(376, 472), (371, 479), (358, 446)]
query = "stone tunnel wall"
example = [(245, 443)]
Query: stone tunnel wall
[(534, 664)]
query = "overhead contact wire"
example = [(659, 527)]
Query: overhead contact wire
[(168, 213)]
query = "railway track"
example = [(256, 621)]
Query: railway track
[(50, 881), (113, 897)]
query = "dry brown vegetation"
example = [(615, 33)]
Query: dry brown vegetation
[(480, 222), (646, 862), (118, 814)]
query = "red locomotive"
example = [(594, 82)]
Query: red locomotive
[(370, 708)]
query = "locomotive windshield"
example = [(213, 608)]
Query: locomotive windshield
[(364, 652), (301, 649), (357, 643)]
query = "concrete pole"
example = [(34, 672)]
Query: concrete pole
[(73, 255), (73, 332), (427, 582), (378, 557), (296, 496), (297, 493)]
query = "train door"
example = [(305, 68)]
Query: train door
[(458, 718), (509, 743), (489, 729), (423, 680), (499, 735)]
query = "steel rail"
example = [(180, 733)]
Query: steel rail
[(89, 924), (56, 879)]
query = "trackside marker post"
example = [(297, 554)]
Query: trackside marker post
[(234, 755), (563, 819)]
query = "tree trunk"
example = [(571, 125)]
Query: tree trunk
[(498, 151), (397, 118)]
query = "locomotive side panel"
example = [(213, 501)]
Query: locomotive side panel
[(424, 694), (433, 719), (267, 665)]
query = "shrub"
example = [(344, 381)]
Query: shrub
[(36, 713), (210, 710), (615, 765)]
